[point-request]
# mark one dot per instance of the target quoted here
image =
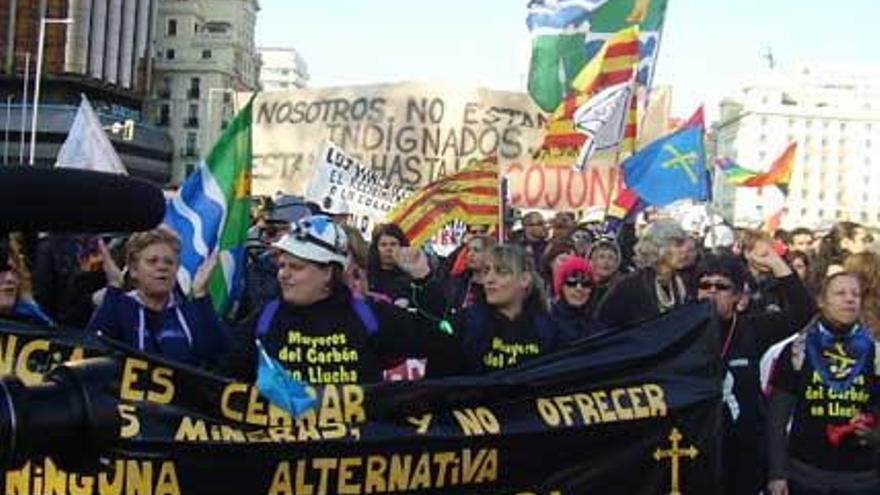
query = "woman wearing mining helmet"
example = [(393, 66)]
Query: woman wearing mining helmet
[(319, 330)]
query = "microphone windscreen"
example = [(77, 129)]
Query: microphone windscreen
[(76, 201)]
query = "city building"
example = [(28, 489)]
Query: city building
[(102, 50), (282, 68), (833, 113), (205, 53)]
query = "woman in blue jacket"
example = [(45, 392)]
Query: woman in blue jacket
[(152, 317)]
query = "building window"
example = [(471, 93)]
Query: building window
[(808, 124), (867, 143), (192, 119), (842, 126), (868, 127), (194, 88), (172, 27), (763, 120), (191, 143), (164, 115), (169, 54), (206, 54)]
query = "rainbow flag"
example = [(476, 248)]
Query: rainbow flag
[(615, 63), (778, 175), (471, 195)]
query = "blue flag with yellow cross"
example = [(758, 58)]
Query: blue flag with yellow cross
[(670, 169)]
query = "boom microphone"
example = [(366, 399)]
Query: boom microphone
[(76, 201)]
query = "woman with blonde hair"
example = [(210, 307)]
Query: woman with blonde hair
[(513, 324), (16, 290), (866, 266), (154, 317)]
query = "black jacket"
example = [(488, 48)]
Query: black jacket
[(578, 320), (328, 342), (632, 299), (743, 344), (491, 341)]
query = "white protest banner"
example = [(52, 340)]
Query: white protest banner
[(414, 133), (341, 184)]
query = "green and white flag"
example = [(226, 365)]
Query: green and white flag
[(212, 212)]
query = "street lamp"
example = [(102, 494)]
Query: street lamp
[(24, 99), (39, 68)]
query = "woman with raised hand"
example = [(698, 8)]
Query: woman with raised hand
[(512, 325), (825, 386), (322, 332), (154, 317)]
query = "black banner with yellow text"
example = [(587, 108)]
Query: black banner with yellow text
[(636, 411)]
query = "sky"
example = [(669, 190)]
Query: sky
[(709, 49)]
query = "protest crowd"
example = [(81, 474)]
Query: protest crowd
[(797, 313), (339, 280)]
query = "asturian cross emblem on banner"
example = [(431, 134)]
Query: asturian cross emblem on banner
[(674, 454)]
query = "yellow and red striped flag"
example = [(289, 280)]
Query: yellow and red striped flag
[(614, 64), (471, 195)]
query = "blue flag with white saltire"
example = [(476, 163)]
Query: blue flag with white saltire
[(671, 168), (211, 212), (282, 389)]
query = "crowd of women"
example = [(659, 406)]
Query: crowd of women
[(798, 314)]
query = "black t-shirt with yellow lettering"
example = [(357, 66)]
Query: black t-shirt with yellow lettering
[(818, 407), (329, 342), (490, 341)]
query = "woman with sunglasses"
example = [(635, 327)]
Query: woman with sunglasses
[(512, 325), (745, 336), (825, 398), (323, 333), (573, 286)]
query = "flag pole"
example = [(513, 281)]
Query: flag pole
[(502, 205)]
